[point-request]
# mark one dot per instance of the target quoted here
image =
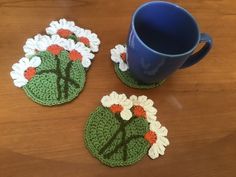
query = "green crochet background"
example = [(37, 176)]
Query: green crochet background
[(128, 80), (102, 125), (52, 84)]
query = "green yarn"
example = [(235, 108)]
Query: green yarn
[(114, 141), (73, 37), (128, 80), (58, 80)]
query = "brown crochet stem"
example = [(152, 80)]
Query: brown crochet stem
[(58, 78), (121, 144), (121, 129), (66, 88), (53, 71), (59, 75)]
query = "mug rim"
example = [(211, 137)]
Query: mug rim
[(177, 6)]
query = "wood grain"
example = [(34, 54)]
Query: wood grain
[(196, 104)]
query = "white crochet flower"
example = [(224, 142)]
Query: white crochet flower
[(118, 55), (31, 46), (143, 107), (118, 103), (89, 39), (24, 70), (62, 27), (78, 51), (157, 138), (48, 41)]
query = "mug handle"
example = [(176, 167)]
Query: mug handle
[(196, 57)]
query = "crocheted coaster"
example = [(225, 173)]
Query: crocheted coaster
[(123, 130), (118, 56), (57, 80), (53, 70)]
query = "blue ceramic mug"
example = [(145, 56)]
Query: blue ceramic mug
[(162, 39)]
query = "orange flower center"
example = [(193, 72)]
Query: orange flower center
[(151, 137), (123, 56), (85, 41), (139, 111), (55, 49), (29, 73), (65, 33), (116, 108), (74, 55)]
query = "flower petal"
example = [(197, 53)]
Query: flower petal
[(161, 149), (94, 48), (106, 101), (142, 99), (42, 45), (163, 140), (153, 151), (18, 68), (151, 110), (123, 66), (114, 96), (15, 75), (155, 125), (133, 98), (162, 131), (91, 56), (51, 30), (151, 117), (115, 56), (148, 103), (126, 114), (19, 83), (120, 48), (127, 104), (55, 24), (86, 63), (35, 62), (122, 98), (24, 62), (70, 45)]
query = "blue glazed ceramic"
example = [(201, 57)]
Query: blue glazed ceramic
[(162, 39)]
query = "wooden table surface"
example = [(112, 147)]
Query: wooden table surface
[(197, 105)]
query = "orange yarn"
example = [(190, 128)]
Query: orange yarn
[(29, 73), (151, 137), (84, 40), (74, 55), (65, 33), (123, 56), (116, 108), (55, 49), (139, 111)]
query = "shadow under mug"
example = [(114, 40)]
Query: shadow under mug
[(162, 39)]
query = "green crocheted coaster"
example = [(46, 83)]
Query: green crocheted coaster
[(128, 80), (54, 68), (114, 141), (58, 80), (119, 57), (120, 132)]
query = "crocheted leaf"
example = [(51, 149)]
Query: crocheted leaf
[(114, 141), (58, 80)]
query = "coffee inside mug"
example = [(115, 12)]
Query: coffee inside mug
[(167, 29)]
